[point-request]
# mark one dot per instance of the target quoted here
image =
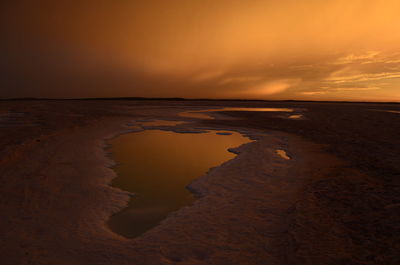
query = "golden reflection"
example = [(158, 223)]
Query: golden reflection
[(157, 166), (283, 154), (296, 116)]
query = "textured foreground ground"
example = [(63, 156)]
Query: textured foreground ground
[(337, 201)]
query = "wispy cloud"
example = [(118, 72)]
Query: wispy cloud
[(357, 58), (312, 93), (327, 90), (270, 88), (363, 77)]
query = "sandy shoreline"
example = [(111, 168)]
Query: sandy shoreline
[(254, 209)]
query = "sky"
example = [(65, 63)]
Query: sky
[(259, 49)]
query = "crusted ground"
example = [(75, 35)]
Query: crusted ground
[(335, 202)]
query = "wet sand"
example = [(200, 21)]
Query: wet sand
[(336, 201)]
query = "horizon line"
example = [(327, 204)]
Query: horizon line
[(196, 99)]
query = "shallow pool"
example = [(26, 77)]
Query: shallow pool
[(157, 166)]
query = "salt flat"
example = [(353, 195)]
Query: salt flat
[(335, 201)]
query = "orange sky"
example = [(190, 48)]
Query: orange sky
[(259, 49)]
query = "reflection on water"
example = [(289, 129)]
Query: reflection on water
[(161, 123), (283, 154), (199, 114), (157, 166), (296, 116)]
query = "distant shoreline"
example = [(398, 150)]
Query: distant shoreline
[(191, 99)]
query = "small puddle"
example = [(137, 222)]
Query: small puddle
[(157, 166), (296, 116), (200, 114), (283, 154)]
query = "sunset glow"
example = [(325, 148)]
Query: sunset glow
[(262, 49)]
